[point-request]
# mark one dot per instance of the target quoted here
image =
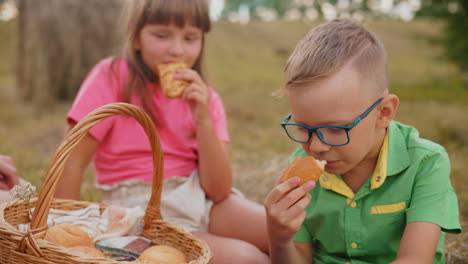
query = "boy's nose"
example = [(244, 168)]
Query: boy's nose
[(315, 145)]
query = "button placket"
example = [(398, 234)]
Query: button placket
[(353, 228)]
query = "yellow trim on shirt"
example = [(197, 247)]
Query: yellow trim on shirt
[(331, 182), (389, 208), (380, 171)]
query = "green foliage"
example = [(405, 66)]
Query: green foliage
[(455, 36)]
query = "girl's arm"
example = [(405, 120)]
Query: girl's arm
[(69, 185), (213, 159), (213, 163), (419, 243)]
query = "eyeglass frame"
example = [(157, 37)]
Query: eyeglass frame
[(312, 130)]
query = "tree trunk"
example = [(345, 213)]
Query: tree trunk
[(59, 41)]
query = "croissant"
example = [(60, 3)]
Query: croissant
[(172, 88), (306, 168)]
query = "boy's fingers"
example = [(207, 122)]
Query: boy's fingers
[(298, 220), (299, 206), (295, 195), (279, 177), (280, 190)]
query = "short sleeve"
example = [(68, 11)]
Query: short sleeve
[(433, 198), (100, 87), (219, 116), (303, 234)]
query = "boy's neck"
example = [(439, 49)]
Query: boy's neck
[(358, 176)]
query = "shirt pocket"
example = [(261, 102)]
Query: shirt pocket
[(384, 227), (388, 208)]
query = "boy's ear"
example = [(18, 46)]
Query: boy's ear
[(387, 110)]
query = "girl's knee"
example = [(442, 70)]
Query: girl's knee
[(247, 253)]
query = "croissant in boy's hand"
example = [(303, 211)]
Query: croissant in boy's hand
[(306, 168), (172, 88)]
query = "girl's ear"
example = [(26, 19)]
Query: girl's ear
[(136, 44), (387, 110)]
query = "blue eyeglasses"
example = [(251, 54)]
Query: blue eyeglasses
[(330, 135)]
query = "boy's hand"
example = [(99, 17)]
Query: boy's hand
[(8, 174), (196, 93), (285, 208)]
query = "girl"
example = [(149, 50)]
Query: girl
[(198, 179)]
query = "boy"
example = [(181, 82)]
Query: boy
[(386, 194)]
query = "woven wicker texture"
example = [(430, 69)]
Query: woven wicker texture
[(19, 247)]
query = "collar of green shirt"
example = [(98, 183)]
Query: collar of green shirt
[(392, 160)]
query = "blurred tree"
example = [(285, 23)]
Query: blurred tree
[(280, 6), (327, 8), (455, 38), (58, 43), (453, 12)]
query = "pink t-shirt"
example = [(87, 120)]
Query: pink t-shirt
[(124, 152)]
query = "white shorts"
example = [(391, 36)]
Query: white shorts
[(183, 200)]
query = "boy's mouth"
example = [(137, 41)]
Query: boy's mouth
[(322, 163)]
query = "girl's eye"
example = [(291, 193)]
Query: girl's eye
[(191, 38), (160, 35)]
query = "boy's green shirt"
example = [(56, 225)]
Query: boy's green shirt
[(411, 182)]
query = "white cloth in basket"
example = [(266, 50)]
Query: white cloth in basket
[(183, 200), (113, 222)]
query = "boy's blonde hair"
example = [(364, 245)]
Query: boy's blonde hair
[(329, 46)]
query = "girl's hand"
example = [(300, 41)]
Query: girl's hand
[(196, 93), (8, 174), (285, 208)]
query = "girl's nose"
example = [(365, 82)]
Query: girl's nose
[(177, 48)]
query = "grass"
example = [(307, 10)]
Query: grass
[(245, 65)]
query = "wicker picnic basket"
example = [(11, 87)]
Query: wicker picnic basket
[(29, 247)]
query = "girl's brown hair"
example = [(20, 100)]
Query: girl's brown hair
[(137, 14)]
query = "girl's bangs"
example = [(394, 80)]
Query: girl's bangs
[(179, 13)]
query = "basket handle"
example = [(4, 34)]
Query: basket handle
[(74, 136)]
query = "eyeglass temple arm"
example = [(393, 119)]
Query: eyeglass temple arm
[(287, 118), (363, 115)]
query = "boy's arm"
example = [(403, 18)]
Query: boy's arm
[(419, 243), (292, 252), (285, 207), (306, 250)]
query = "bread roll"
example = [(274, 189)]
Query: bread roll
[(172, 88), (89, 251), (306, 168), (68, 236), (162, 254)]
